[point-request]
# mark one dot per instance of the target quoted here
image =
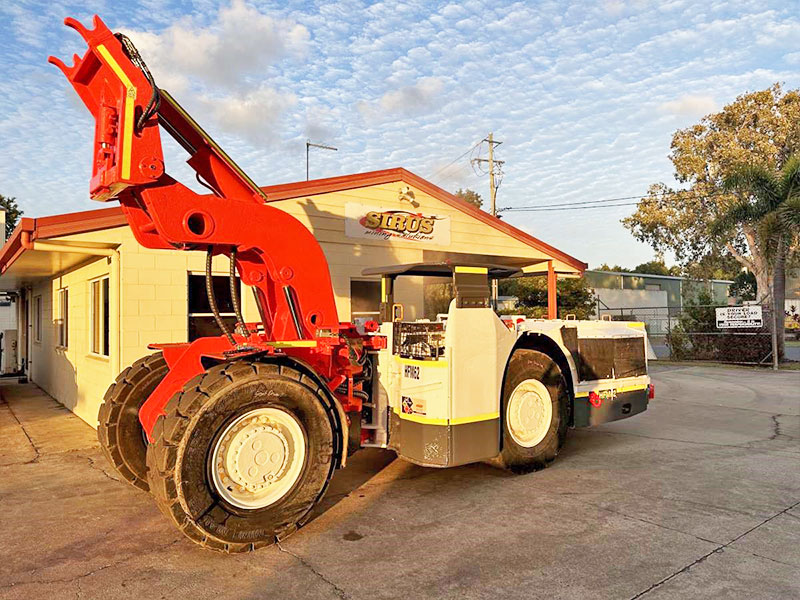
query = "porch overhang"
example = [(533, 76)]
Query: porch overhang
[(34, 251)]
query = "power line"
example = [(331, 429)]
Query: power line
[(455, 160), (570, 207), (601, 202)]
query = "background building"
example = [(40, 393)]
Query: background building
[(91, 298), (657, 300)]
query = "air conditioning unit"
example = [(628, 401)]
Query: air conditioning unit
[(8, 364)]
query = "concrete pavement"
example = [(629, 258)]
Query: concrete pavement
[(699, 497)]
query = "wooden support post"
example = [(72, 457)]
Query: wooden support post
[(552, 298)]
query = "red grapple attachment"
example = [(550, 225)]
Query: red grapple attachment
[(271, 250), (117, 93)]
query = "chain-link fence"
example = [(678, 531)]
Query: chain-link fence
[(692, 333)]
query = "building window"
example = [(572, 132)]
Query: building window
[(655, 287), (63, 320), (201, 319), (37, 319), (100, 316), (365, 299)]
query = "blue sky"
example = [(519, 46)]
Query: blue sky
[(585, 96)]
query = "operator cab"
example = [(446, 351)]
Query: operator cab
[(424, 339), (435, 400), (470, 282)]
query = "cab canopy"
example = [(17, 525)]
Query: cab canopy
[(444, 269)]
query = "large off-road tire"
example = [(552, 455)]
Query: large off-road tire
[(119, 431), (242, 454), (534, 412)]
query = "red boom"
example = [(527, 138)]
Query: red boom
[(274, 252)]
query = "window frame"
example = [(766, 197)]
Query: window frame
[(37, 318), (99, 317), (63, 318), (190, 315)]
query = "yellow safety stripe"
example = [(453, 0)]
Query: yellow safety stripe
[(294, 344), (384, 296), (130, 104), (434, 421), (422, 363), (478, 270), (630, 388), (475, 419)]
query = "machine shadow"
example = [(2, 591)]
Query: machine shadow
[(581, 447), (361, 467), (369, 463)]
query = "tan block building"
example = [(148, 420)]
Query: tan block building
[(90, 299)]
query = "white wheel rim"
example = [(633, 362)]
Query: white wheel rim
[(529, 413), (258, 458)]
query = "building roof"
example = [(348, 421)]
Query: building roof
[(32, 263), (29, 230), (650, 276), (442, 269), (299, 189)]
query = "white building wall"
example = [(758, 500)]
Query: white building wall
[(72, 374), (8, 316)]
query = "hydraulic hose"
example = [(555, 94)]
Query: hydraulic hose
[(212, 301), (237, 308)]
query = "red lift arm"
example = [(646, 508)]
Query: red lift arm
[(273, 252)]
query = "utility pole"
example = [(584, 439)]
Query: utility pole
[(492, 164), (492, 192), (492, 189), (310, 145)]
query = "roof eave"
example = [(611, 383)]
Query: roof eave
[(290, 191), (28, 230)]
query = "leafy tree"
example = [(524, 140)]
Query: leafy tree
[(470, 196), (715, 265), (657, 267), (651, 267), (574, 296), (744, 286), (760, 128), (771, 199), (616, 268), (13, 213)]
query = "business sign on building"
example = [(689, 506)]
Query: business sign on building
[(730, 317), (377, 223)]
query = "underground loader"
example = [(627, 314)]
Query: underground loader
[(237, 436)]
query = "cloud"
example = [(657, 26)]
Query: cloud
[(585, 96), (405, 101), (221, 67), (690, 105), (252, 115), (792, 58), (239, 42)]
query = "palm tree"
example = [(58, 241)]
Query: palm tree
[(772, 200)]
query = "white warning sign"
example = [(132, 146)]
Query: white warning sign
[(730, 317)]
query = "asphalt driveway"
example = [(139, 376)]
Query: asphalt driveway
[(699, 497)]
